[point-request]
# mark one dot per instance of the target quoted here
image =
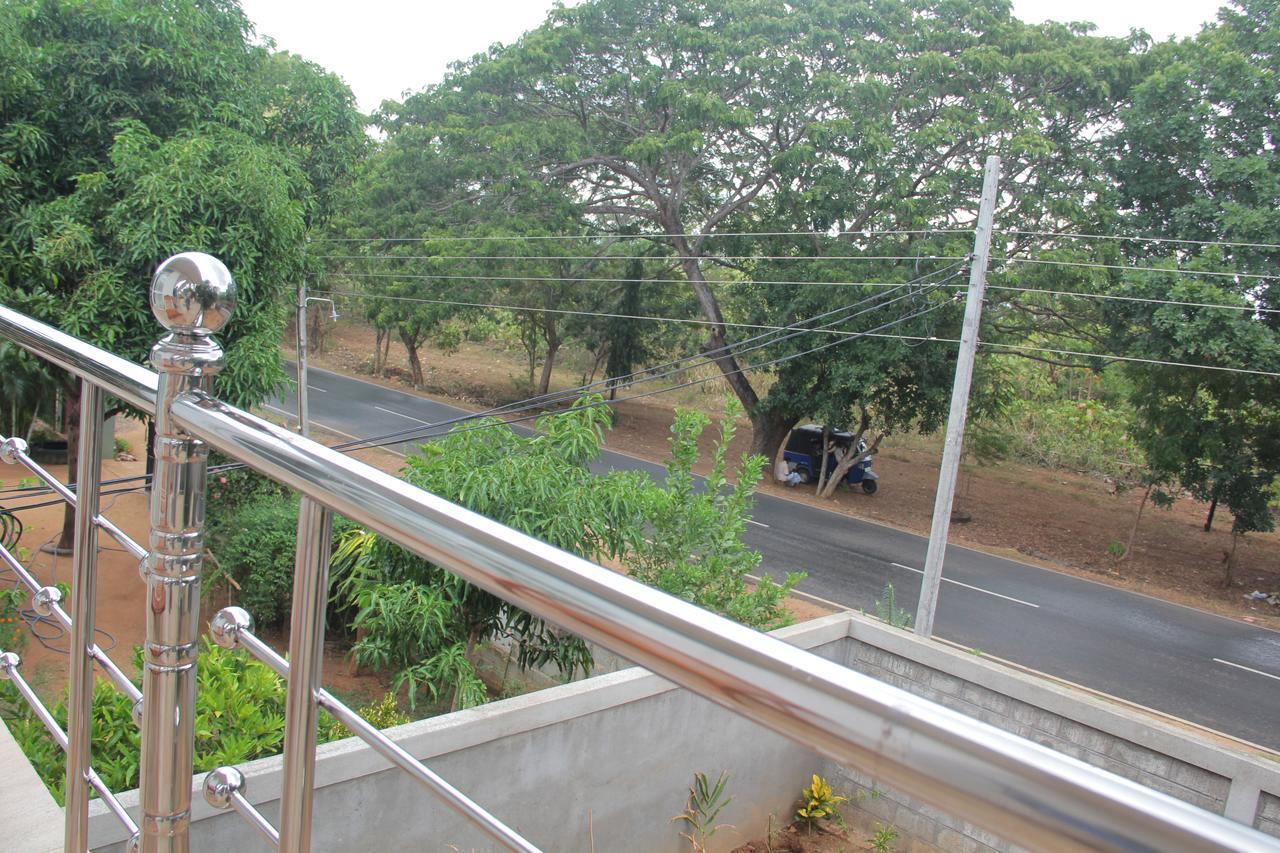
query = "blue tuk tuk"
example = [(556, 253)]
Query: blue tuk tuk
[(803, 455)]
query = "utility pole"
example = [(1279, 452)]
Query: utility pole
[(928, 603), (304, 416)]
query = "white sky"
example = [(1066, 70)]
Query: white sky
[(383, 48)]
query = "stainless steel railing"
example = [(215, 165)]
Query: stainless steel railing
[(1016, 788)]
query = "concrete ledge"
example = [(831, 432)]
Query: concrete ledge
[(32, 821)]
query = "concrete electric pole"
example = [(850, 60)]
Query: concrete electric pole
[(928, 603)]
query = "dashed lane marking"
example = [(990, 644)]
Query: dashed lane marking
[(1247, 668), (403, 415), (970, 586)]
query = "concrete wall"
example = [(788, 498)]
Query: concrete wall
[(602, 764), (605, 763), (1216, 773)]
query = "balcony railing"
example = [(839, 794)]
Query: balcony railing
[(1020, 790)]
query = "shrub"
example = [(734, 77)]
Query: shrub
[(255, 546), (239, 717)]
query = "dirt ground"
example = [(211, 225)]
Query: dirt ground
[(1059, 520)]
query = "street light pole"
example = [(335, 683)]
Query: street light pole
[(928, 603), (304, 416)]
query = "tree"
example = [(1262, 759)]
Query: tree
[(133, 130), (1195, 160), (692, 119), (423, 622)]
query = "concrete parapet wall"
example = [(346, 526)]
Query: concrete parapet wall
[(1179, 759), (604, 764)]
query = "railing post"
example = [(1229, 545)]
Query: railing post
[(192, 295), (306, 653), (83, 584)]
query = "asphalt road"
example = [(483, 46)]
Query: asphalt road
[(1197, 666)]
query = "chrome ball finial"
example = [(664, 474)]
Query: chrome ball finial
[(226, 625), (221, 784), (9, 662), (193, 292), (12, 449)]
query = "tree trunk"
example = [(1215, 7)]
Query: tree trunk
[(1133, 531), (553, 346), (386, 352), (724, 359), (1213, 508), (70, 426), (769, 431), (415, 363), (379, 336), (822, 469), (1229, 575), (850, 459)]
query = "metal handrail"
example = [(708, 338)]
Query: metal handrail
[(1016, 788)]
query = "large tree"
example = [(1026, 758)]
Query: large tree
[(133, 129), (696, 118), (1196, 161)]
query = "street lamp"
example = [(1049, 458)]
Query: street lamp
[(303, 416)]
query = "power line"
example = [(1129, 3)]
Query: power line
[(424, 434), (632, 258), (620, 237), (571, 279), (498, 307), (1139, 239), (1142, 299), (708, 357), (1124, 267), (1104, 356), (537, 401)]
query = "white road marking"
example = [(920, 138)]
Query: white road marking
[(756, 523), (334, 430), (1247, 668), (311, 387), (403, 415), (969, 586)]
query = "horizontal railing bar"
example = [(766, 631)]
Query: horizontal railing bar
[(1014, 787), (63, 491), (113, 672), (130, 382), (391, 751), (60, 738)]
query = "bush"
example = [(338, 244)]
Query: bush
[(254, 546), (239, 718)]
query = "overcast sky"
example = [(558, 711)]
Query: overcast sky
[(383, 48)]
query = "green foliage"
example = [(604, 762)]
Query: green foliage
[(13, 633), (705, 803), (421, 622), (818, 802), (382, 714), (255, 545), (883, 838), (120, 445), (888, 611), (134, 129), (691, 541), (239, 717)]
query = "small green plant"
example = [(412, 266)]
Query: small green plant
[(121, 446), (29, 483), (883, 838), (1116, 549), (382, 714), (706, 801), (12, 635), (976, 652), (818, 802), (887, 609)]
